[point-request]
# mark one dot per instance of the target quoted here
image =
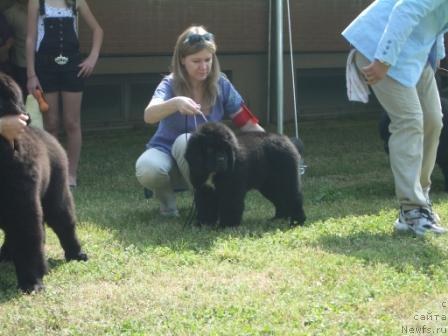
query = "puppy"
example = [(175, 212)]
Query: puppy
[(34, 188), (224, 166)]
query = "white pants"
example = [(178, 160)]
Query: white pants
[(162, 173), (416, 123)]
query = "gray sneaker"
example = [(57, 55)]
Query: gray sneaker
[(169, 213), (419, 221), (434, 214)]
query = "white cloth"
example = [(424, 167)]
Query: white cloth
[(53, 12), (32, 108), (357, 88)]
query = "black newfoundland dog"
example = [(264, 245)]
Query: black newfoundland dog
[(442, 150), (33, 189), (224, 166)]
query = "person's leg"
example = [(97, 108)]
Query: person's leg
[(71, 115), (51, 117), (432, 120), (178, 153), (402, 105), (153, 169), (406, 147)]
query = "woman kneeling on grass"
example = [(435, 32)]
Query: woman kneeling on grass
[(194, 93)]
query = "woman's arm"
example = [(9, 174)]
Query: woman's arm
[(159, 109), (405, 16), (31, 37), (89, 63), (246, 121), (251, 127)]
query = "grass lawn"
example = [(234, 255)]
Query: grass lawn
[(345, 273)]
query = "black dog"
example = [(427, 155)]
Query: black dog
[(224, 166), (442, 150), (33, 189)]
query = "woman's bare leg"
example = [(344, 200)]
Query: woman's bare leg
[(71, 115), (51, 117)]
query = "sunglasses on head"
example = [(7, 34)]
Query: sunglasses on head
[(193, 38)]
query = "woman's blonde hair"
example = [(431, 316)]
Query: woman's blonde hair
[(195, 39)]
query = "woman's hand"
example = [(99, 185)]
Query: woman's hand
[(87, 66), (158, 109), (375, 72), (12, 126), (187, 106), (33, 84)]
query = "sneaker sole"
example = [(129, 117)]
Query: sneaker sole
[(404, 227), (399, 226)]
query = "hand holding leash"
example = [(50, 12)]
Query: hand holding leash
[(188, 106), (43, 105), (33, 84)]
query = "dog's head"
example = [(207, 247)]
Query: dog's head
[(211, 149), (11, 102)]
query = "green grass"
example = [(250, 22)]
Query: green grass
[(345, 273)]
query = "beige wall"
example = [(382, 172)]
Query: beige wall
[(150, 27), (249, 75), (140, 35)]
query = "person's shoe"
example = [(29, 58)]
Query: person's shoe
[(169, 213), (436, 217), (72, 182), (419, 221), (434, 214)]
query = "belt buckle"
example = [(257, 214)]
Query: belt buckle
[(61, 60)]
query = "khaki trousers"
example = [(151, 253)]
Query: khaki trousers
[(416, 123)]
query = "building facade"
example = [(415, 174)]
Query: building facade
[(139, 37)]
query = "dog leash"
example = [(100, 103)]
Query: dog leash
[(193, 209), (195, 123), (191, 215)]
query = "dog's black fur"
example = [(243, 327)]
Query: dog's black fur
[(224, 166), (442, 150), (33, 189)]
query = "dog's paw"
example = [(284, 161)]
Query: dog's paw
[(278, 217), (29, 288), (81, 256), (208, 224), (297, 221), (228, 224)]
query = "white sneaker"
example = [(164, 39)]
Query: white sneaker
[(169, 213), (419, 220), (434, 214)]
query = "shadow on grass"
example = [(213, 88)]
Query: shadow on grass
[(348, 175), (399, 250), (8, 280), (145, 227)]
